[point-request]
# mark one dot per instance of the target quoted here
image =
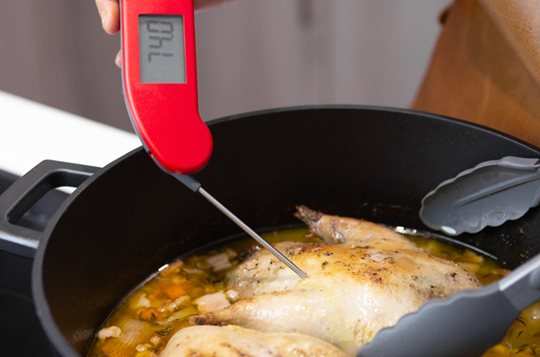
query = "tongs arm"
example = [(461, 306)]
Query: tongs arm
[(465, 325)]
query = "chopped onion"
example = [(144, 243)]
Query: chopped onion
[(180, 314), (470, 267), (182, 300), (231, 253), (143, 301), (155, 339), (113, 331), (219, 261), (212, 302), (194, 271)]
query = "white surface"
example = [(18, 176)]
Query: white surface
[(31, 132)]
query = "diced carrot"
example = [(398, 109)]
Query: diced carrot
[(147, 314), (175, 291)]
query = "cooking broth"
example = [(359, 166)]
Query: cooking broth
[(149, 317)]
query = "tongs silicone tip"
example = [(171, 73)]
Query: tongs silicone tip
[(489, 194)]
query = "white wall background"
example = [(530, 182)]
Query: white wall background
[(261, 54), (252, 55)]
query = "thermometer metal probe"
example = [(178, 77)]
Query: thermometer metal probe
[(159, 79)]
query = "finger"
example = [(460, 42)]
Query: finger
[(110, 15), (118, 59)]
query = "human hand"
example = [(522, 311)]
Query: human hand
[(110, 16)]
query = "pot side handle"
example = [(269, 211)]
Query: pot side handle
[(25, 192)]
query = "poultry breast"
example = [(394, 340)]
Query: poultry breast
[(234, 341), (363, 278)]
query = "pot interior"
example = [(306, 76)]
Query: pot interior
[(364, 162)]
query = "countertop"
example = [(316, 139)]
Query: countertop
[(31, 132)]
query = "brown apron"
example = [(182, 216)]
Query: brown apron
[(486, 67)]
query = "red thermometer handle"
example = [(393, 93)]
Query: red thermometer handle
[(160, 83)]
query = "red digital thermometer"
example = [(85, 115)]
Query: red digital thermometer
[(160, 88), (160, 83)]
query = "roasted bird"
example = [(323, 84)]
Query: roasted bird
[(363, 278), (234, 341)]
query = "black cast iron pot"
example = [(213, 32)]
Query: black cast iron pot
[(129, 218)]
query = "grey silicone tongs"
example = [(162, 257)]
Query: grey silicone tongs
[(464, 325), (470, 322), (487, 195)]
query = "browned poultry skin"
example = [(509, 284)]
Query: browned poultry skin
[(353, 289), (340, 230)]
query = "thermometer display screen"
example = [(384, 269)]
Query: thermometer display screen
[(161, 49)]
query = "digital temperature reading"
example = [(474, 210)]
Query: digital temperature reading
[(161, 49)]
